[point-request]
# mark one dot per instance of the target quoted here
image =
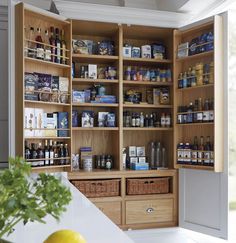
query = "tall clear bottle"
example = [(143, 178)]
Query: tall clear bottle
[(152, 155), (158, 156)]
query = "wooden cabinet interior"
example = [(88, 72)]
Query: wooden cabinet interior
[(107, 140)]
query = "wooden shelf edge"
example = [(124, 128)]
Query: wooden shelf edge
[(151, 60), (195, 167), (196, 124), (146, 106), (50, 167), (105, 57), (87, 80), (96, 104), (46, 62), (196, 87), (45, 103), (95, 129), (199, 55), (150, 83), (147, 128)]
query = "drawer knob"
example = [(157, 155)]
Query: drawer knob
[(150, 210)]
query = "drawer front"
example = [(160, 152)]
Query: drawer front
[(149, 211), (111, 209)]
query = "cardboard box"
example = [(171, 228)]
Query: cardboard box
[(29, 122), (38, 116), (146, 51), (140, 151), (132, 151), (92, 71), (62, 122), (50, 123), (127, 51)]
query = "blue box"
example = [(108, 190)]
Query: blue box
[(139, 166), (75, 119), (62, 122)]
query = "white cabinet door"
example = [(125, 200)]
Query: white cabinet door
[(203, 195)]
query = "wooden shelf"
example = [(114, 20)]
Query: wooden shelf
[(146, 60), (45, 103), (136, 129), (89, 80), (195, 167), (38, 61), (95, 128), (47, 129), (95, 104), (191, 112), (50, 167), (197, 56), (95, 58), (146, 83), (196, 124), (146, 106), (44, 138), (32, 160), (197, 87)]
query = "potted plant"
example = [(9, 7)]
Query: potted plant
[(23, 198)]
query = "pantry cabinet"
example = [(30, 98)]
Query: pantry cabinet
[(127, 211)]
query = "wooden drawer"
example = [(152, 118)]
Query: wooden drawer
[(111, 209), (149, 211)]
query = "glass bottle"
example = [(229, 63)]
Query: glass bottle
[(194, 150), (207, 151), (53, 44), (39, 45), (163, 158), (185, 81), (146, 121), (193, 75), (137, 120), (133, 123), (151, 121), (58, 47), (66, 154), (33, 152), (63, 47), (158, 155), (47, 48), (46, 153), (199, 113), (55, 150), (103, 161), (40, 154), (61, 154), (180, 81), (189, 78), (109, 162), (26, 43), (31, 45), (152, 155), (141, 119), (51, 153), (200, 153), (163, 120), (27, 151)]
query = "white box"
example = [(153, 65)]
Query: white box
[(92, 71), (183, 50), (50, 122), (63, 84), (38, 117), (127, 51), (140, 151), (142, 160), (132, 151), (29, 122), (156, 96), (146, 51)]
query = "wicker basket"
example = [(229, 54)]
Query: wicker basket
[(98, 188), (144, 186)]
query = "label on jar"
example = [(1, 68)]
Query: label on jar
[(187, 155), (47, 56), (180, 156), (206, 116), (163, 121), (108, 164), (199, 116)]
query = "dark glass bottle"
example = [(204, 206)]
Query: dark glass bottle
[(61, 154), (194, 151), (200, 153), (66, 154), (53, 44), (207, 151), (51, 153), (27, 151), (46, 153), (33, 152), (58, 47), (39, 45), (151, 121), (40, 155), (146, 121)]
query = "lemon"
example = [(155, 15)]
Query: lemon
[(65, 236)]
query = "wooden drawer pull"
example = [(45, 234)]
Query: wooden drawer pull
[(150, 210)]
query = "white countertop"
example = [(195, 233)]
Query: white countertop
[(82, 216)]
